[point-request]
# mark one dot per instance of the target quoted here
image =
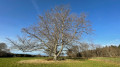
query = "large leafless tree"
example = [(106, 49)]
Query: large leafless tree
[(57, 29)]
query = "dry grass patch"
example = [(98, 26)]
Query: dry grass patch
[(106, 61), (37, 61)]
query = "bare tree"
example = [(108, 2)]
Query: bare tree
[(57, 29), (73, 51), (25, 44), (49, 52), (3, 46), (84, 47)]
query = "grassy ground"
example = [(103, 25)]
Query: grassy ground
[(94, 62), (111, 60)]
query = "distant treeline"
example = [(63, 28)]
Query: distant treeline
[(108, 51), (5, 54)]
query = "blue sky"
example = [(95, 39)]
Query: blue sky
[(104, 15)]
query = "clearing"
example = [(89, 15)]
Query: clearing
[(41, 62)]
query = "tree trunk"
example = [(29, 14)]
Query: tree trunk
[(55, 52), (55, 57)]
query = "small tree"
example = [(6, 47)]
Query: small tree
[(3, 50), (57, 29), (3, 46), (73, 51)]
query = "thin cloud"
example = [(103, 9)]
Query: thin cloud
[(115, 42), (36, 6)]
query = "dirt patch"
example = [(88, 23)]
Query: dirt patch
[(37, 61)]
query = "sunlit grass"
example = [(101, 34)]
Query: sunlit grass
[(13, 62)]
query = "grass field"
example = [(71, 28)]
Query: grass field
[(94, 62)]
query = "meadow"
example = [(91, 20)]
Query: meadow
[(93, 62)]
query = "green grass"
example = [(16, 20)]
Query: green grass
[(12, 62), (111, 60)]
